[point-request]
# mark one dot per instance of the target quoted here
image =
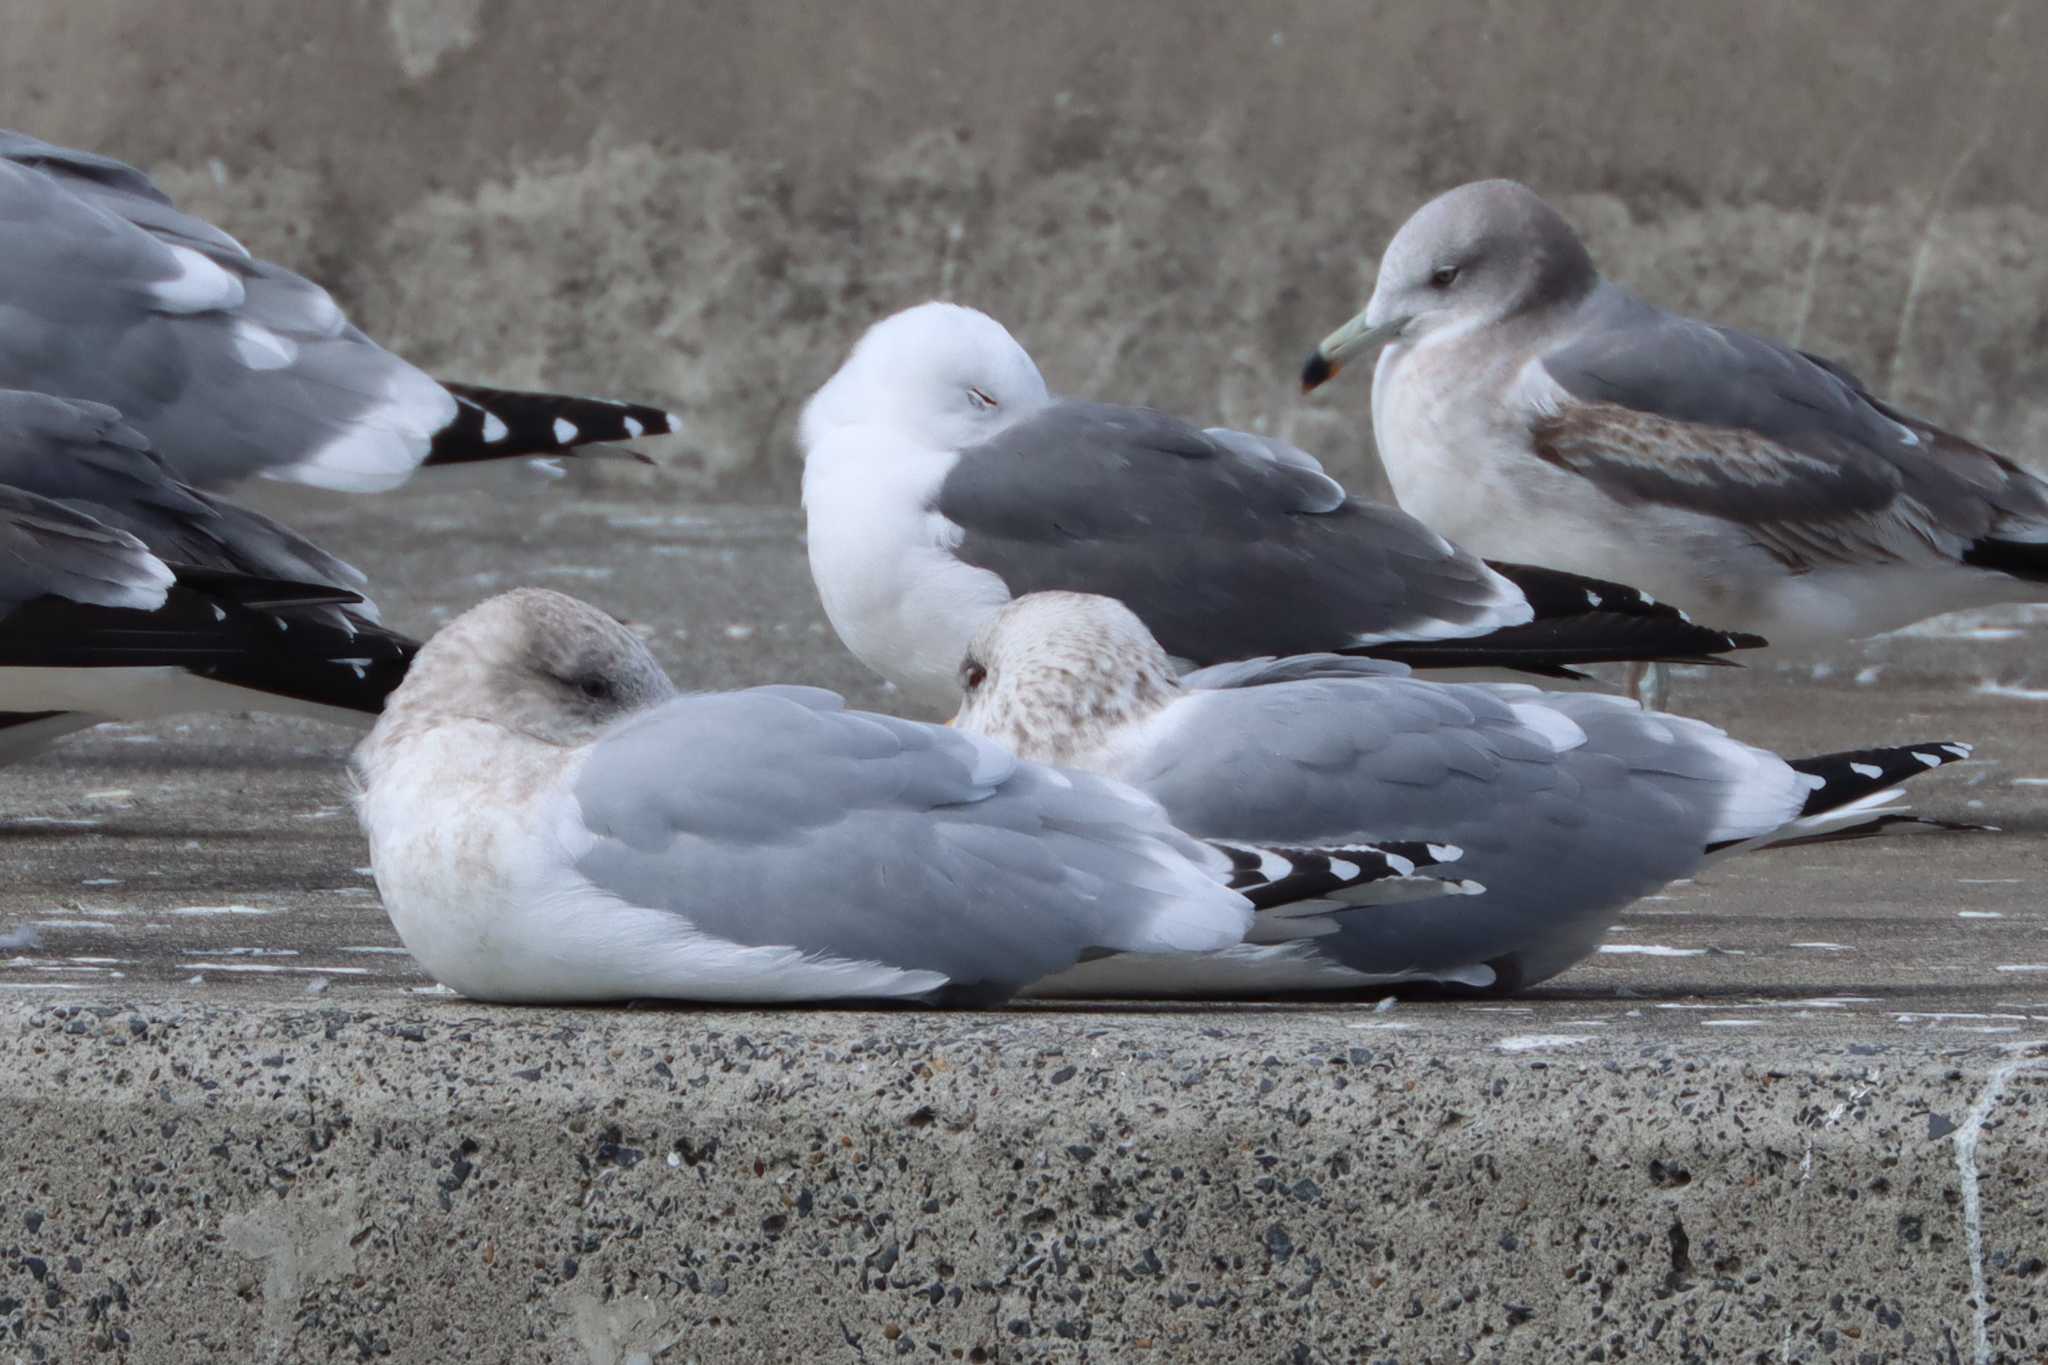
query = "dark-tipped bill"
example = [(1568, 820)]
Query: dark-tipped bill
[(1339, 346)]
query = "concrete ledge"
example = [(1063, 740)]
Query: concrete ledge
[(448, 1182)]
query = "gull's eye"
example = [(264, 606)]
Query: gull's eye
[(594, 688), (1444, 277), (979, 398), (972, 676)]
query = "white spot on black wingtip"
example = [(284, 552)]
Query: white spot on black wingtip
[(565, 431), (1931, 760), (495, 429), (633, 427), (1341, 868), (1402, 867), (1959, 750), (675, 423), (219, 614), (1445, 853), (1869, 770), (1592, 598)]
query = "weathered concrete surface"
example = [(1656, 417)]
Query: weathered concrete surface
[(1169, 201), (202, 1181), (241, 1125)]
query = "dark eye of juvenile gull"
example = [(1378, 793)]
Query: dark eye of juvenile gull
[(979, 398), (972, 676), (1443, 277)]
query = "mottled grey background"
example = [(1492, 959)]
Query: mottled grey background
[(704, 203)]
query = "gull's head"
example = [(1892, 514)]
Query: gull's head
[(1468, 258), (939, 376), (1054, 675), (537, 662)]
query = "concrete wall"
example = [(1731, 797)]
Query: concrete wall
[(1168, 202), (465, 1184)]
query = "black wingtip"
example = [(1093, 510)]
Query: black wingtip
[(2023, 559), (1558, 646), (1271, 875), (1316, 372), (296, 653), (258, 593), (500, 424), (1578, 621), (1852, 774)]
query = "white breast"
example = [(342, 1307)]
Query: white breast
[(462, 846), (882, 558)]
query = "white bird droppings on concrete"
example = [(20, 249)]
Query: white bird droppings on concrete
[(1533, 1042), (1651, 950)]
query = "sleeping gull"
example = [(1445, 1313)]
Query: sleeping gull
[(234, 366), (1568, 806), (1533, 409), (941, 479), (549, 821), (126, 595)]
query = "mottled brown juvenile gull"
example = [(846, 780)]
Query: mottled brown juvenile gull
[(1568, 806), (125, 595), (231, 365), (548, 821), (1533, 409), (941, 479)]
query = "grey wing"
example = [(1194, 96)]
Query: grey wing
[(1223, 544), (234, 365), (1657, 408), (1564, 815), (1293, 668), (49, 550), (83, 455), (776, 818)]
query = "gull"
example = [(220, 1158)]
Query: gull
[(234, 366), (549, 821), (1567, 806), (127, 595), (941, 479), (1531, 408)]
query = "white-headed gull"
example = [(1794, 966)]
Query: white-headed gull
[(941, 479)]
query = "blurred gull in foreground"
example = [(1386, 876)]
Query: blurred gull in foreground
[(548, 821), (231, 365), (1533, 409), (126, 595), (1568, 806), (941, 479)]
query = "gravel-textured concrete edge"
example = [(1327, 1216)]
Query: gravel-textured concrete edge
[(447, 1182)]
